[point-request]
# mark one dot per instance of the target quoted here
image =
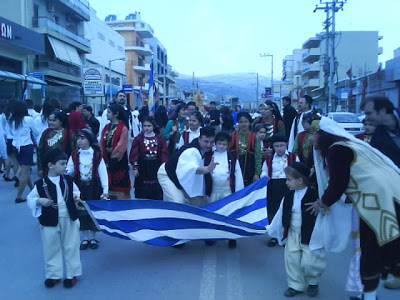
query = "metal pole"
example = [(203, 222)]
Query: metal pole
[(257, 93), (332, 58), (165, 83), (272, 77), (109, 81)]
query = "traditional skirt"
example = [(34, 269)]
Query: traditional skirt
[(146, 183)]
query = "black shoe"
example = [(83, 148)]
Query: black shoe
[(93, 244), (84, 245), (7, 178), (232, 244), (312, 290), (209, 243), (291, 292), (19, 200), (272, 242), (69, 283), (16, 184), (51, 282)]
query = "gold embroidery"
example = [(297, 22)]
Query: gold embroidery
[(370, 201)]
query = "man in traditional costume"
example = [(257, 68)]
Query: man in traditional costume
[(183, 176)]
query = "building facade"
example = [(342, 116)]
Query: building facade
[(107, 58)]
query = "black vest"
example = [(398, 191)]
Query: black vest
[(49, 215), (307, 220), (172, 163)]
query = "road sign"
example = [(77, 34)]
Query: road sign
[(127, 88)]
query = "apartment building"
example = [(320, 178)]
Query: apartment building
[(138, 52), (357, 50), (62, 24), (107, 60)]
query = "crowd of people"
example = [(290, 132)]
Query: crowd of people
[(186, 156)]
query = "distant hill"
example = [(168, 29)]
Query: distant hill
[(241, 85)]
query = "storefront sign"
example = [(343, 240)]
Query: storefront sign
[(6, 31), (92, 81)]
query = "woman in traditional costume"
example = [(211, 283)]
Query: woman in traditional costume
[(370, 180), (175, 127), (246, 147), (114, 144)]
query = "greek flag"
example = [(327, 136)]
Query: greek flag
[(162, 223)]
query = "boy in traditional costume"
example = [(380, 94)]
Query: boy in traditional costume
[(52, 201)]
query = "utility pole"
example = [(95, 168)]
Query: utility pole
[(272, 72), (330, 7)]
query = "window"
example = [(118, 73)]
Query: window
[(100, 36), (112, 44), (56, 20)]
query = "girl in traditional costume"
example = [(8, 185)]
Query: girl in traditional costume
[(196, 121), (113, 145), (148, 153), (175, 127), (89, 172), (56, 136), (271, 119)]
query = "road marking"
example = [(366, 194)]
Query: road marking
[(234, 289), (209, 274)]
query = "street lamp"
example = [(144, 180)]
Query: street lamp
[(109, 74), (272, 72)]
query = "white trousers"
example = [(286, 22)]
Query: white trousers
[(58, 241), (173, 193), (303, 267), (220, 189)]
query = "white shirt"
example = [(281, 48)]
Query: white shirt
[(192, 135), (300, 128), (279, 163), (85, 168), (22, 134), (222, 172), (298, 196), (33, 113), (40, 127), (62, 207)]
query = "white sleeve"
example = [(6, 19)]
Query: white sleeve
[(264, 170), (188, 162), (34, 129), (70, 166), (180, 144), (291, 137), (239, 184), (103, 176), (31, 199), (103, 122)]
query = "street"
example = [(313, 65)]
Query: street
[(122, 269)]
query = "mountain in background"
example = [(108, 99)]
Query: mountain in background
[(241, 85)]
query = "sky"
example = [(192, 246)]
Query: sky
[(210, 37)]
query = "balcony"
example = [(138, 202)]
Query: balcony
[(310, 69), (313, 42), (139, 47), (80, 7), (311, 55), (58, 70), (312, 83), (144, 30), (47, 26), (145, 87), (143, 68)]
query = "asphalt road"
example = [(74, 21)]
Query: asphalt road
[(122, 269)]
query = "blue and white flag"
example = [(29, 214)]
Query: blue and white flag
[(162, 223)]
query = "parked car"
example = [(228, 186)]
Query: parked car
[(349, 121)]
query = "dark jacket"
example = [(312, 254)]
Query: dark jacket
[(49, 216), (289, 113), (94, 124), (307, 220)]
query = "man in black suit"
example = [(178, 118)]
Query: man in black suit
[(289, 113)]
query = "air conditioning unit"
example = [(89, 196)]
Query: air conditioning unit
[(50, 7)]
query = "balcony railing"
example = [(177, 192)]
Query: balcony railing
[(79, 6), (69, 31), (51, 65)]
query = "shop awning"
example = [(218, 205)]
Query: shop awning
[(59, 82), (20, 77), (65, 52)]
